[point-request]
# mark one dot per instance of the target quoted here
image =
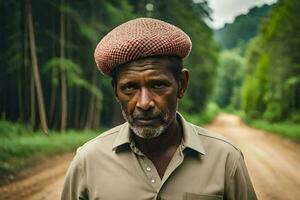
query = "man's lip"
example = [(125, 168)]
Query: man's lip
[(146, 120)]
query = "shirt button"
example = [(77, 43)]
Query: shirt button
[(152, 181), (148, 169)]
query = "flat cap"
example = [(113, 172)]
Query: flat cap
[(139, 38)]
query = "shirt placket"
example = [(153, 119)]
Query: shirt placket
[(174, 163), (150, 171), (148, 168)]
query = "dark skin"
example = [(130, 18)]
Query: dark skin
[(148, 84)]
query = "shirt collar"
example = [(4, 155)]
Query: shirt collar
[(190, 139), (123, 137)]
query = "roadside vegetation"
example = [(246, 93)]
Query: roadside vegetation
[(209, 113), (21, 148), (287, 128)]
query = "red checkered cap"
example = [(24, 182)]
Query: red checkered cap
[(139, 38)]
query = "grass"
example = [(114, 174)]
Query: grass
[(285, 129), (19, 150)]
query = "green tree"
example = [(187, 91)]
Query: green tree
[(229, 79), (273, 60)]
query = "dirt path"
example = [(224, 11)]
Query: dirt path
[(43, 182), (273, 164)]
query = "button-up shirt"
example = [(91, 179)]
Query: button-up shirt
[(205, 166)]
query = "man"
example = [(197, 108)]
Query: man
[(156, 154)]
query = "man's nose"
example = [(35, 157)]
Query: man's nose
[(145, 101)]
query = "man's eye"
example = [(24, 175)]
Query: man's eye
[(159, 86), (128, 88)]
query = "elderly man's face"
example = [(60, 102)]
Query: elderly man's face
[(148, 92)]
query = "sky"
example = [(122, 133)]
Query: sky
[(224, 11)]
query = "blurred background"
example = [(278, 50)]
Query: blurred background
[(245, 81)]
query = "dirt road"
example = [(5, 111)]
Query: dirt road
[(273, 164), (43, 182)]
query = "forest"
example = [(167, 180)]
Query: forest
[(49, 78)]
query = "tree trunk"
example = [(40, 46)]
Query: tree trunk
[(77, 97), (22, 73), (32, 102), (53, 97), (84, 112), (63, 79), (93, 111), (20, 95), (27, 71), (64, 104), (96, 119), (52, 105), (91, 108), (35, 68), (90, 112)]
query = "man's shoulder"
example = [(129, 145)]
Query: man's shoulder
[(103, 140), (213, 140)]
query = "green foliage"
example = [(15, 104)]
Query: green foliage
[(210, 112), (27, 145), (24, 150), (271, 88), (273, 112), (73, 72), (10, 129), (229, 79), (249, 96), (295, 117), (285, 129), (261, 76), (58, 65)]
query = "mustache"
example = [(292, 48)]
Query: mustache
[(147, 114)]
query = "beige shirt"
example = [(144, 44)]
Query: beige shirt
[(206, 166)]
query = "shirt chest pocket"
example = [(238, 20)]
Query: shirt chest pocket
[(192, 196)]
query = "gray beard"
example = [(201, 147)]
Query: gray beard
[(147, 132)]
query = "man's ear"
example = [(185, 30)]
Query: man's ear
[(183, 82)]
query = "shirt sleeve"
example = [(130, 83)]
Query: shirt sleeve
[(238, 183), (75, 187)]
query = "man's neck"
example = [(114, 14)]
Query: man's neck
[(169, 139), (160, 150)]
